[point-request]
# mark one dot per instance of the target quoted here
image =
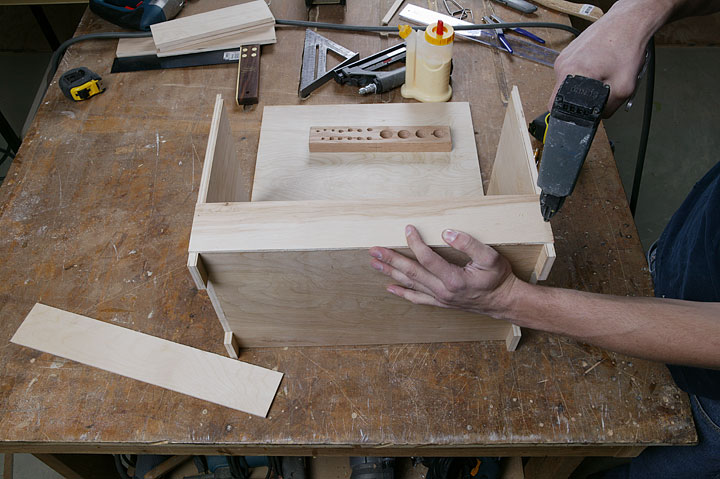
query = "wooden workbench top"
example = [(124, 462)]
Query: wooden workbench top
[(95, 218)]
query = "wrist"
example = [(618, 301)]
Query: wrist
[(516, 300)]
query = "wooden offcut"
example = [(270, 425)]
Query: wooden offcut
[(211, 26), (152, 360), (331, 139), (291, 267)]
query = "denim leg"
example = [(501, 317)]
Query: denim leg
[(695, 462)]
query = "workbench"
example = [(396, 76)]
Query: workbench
[(95, 218)]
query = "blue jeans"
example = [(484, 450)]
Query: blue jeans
[(695, 462)]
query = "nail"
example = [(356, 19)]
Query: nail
[(376, 265), (390, 289), (376, 254), (450, 235), (408, 230)]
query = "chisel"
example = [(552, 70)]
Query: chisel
[(588, 12)]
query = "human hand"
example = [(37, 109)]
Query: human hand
[(484, 285), (611, 50)]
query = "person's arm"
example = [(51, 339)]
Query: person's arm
[(672, 331), (613, 48)]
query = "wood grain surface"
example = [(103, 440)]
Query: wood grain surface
[(287, 170), (95, 218), (149, 359), (188, 30), (334, 138)]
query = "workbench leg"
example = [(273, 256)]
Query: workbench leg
[(81, 466), (8, 466), (551, 467), (45, 27)]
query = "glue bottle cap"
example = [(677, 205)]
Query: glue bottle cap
[(404, 31), (435, 36)]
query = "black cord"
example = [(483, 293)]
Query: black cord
[(57, 54), (645, 132), (481, 26), (120, 468)]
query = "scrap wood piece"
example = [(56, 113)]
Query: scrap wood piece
[(149, 359), (380, 138), (182, 31)]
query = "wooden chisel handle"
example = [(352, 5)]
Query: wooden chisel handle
[(588, 12)]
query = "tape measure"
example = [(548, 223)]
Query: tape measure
[(80, 84)]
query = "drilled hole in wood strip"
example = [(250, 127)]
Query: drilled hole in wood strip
[(423, 133), (368, 138), (439, 133), (386, 133), (404, 134), (369, 129)]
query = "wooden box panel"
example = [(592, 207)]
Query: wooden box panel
[(295, 271)]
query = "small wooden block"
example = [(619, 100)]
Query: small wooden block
[(329, 139)]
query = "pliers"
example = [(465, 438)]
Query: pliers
[(501, 36), (498, 32)]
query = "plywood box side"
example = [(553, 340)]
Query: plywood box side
[(319, 225), (221, 179), (324, 298), (197, 271), (514, 171)]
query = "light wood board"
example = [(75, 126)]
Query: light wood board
[(321, 298), (286, 170), (261, 36), (514, 170), (326, 225), (152, 360), (221, 178), (333, 138), (176, 33), (133, 47)]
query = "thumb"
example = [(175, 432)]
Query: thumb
[(482, 255)]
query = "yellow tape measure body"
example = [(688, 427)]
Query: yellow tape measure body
[(80, 84)]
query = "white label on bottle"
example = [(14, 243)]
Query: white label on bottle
[(586, 9)]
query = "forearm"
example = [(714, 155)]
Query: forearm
[(645, 17), (667, 330)]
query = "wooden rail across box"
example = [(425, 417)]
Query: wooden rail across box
[(287, 264)]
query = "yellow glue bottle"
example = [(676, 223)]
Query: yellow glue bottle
[(428, 60)]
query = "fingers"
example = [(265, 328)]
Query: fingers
[(399, 276), (412, 270), (415, 296), (432, 261), (482, 255)]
